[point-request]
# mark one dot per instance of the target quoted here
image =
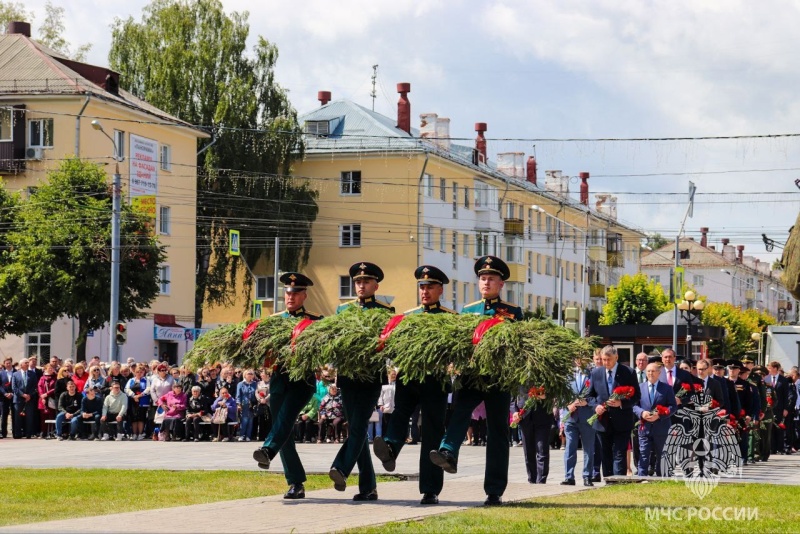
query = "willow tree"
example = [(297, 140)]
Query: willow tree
[(189, 58)]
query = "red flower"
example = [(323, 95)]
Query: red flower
[(623, 392), (686, 386), (722, 413), (714, 404), (587, 384), (521, 413), (698, 387), (769, 401), (782, 426), (662, 411), (536, 391), (741, 413)]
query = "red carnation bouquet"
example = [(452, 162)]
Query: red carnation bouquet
[(581, 396), (619, 393), (662, 411), (683, 391), (698, 388), (535, 394)]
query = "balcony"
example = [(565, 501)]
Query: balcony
[(11, 158), (750, 294), (515, 227), (598, 253), (616, 259), (518, 273), (597, 291)]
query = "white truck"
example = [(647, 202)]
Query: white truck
[(783, 345)]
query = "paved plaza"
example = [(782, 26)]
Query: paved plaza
[(322, 510)]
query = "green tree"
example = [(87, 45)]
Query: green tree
[(12, 12), (656, 241), (9, 211), (51, 32), (189, 58), (738, 325), (635, 300), (58, 260)]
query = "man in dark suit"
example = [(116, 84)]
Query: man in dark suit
[(6, 395), (653, 428), (673, 375), (780, 388), (24, 386), (718, 365), (641, 376), (577, 429), (710, 386), (615, 420)]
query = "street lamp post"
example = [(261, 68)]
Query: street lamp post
[(733, 282), (116, 207), (690, 308), (559, 271)]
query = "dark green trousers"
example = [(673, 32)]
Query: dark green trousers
[(359, 400), (432, 398), (286, 399), (497, 402)]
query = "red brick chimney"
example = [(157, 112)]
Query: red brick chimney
[(725, 241), (740, 248), (584, 188), (704, 239), (324, 97), (480, 141), (404, 108), (18, 27), (530, 171)]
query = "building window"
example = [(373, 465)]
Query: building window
[(427, 236), (530, 267), (351, 183), (538, 264), (6, 125), (466, 197), (166, 158), (530, 224), (442, 239), (347, 289), (163, 279), (442, 189), (455, 294), (265, 287), (530, 302), (119, 143), (454, 248), (548, 266), (510, 209), (164, 220), (481, 245), (350, 235), (465, 246), (656, 278), (38, 344), (697, 280), (40, 133), (455, 200), (465, 293), (548, 303), (427, 185)]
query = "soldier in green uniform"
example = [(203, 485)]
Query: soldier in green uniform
[(492, 273), (288, 397), (753, 411), (430, 394), (359, 398), (743, 393), (767, 397)]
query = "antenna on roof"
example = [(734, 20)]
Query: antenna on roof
[(373, 94)]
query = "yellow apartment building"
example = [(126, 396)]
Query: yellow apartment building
[(47, 105)]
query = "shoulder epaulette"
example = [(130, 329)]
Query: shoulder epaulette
[(413, 310), (314, 316), (473, 303), (277, 314), (382, 305), (447, 310)]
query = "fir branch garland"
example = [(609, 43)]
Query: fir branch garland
[(271, 337), (427, 344), (347, 341), (217, 345)]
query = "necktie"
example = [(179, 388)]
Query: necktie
[(705, 384), (669, 377), (609, 380), (641, 376), (652, 393), (24, 379)]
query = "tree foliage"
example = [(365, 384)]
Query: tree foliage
[(58, 260), (50, 33), (635, 300), (189, 59), (739, 325), (656, 241)]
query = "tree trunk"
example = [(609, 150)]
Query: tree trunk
[(80, 343)]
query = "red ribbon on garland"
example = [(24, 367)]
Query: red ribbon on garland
[(250, 329), (484, 327), (391, 324), (299, 327)]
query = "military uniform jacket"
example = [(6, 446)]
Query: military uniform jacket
[(494, 307), (433, 308), (368, 303), (298, 313), (744, 394)]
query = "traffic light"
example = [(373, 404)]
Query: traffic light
[(122, 333)]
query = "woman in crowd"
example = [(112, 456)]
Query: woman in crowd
[(174, 403), (69, 407), (81, 376), (246, 401), (196, 407), (126, 372), (95, 380), (115, 376), (160, 385), (208, 386), (263, 413), (187, 379), (48, 403), (225, 380), (139, 401), (307, 421), (331, 414), (62, 377), (225, 399)]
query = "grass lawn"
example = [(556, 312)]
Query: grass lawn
[(621, 508), (33, 495)]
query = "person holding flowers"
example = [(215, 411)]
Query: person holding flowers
[(288, 397), (614, 392), (534, 415), (574, 420), (653, 410)]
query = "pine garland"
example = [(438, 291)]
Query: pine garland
[(217, 345), (427, 344), (348, 341), (271, 337)]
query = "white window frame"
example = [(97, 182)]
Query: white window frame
[(43, 130), (427, 236), (165, 157), (465, 246), (548, 266), (350, 183), (350, 235), (164, 281), (164, 220), (36, 346), (265, 288), (698, 280), (6, 123), (346, 282), (442, 189), (442, 239), (427, 185)]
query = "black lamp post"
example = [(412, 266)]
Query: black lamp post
[(690, 308)]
